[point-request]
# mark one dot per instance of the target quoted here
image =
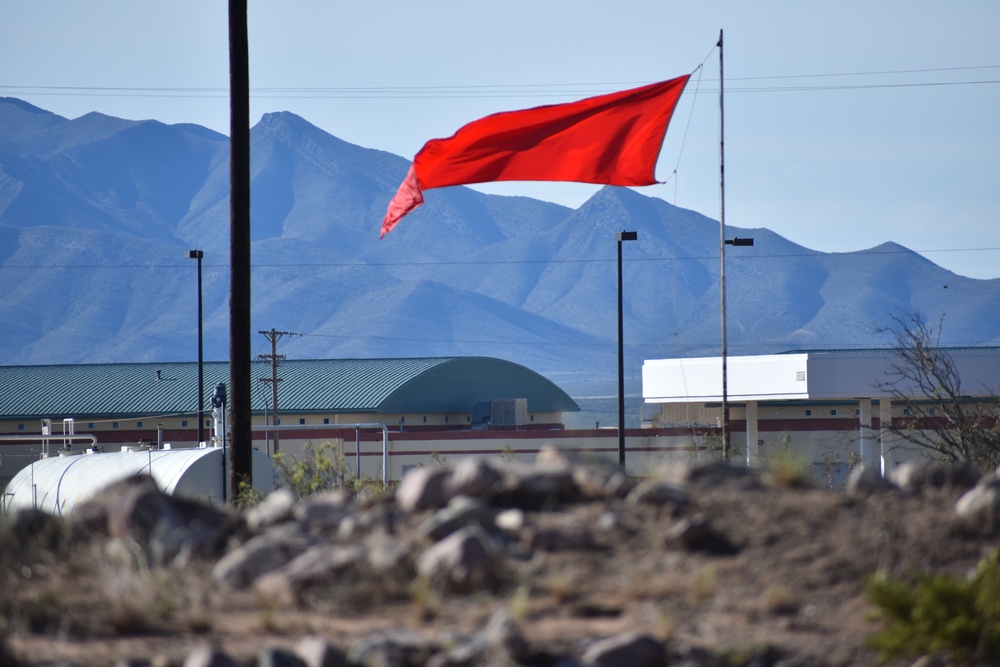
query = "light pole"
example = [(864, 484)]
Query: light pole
[(725, 371), (621, 236), (198, 254)]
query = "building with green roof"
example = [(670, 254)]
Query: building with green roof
[(125, 404)]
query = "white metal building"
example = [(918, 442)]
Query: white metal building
[(796, 391)]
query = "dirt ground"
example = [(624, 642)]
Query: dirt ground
[(796, 584)]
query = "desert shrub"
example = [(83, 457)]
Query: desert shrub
[(783, 466), (835, 466), (246, 496), (710, 449), (321, 469), (507, 454), (788, 469), (940, 614)]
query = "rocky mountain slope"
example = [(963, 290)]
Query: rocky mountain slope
[(97, 213)]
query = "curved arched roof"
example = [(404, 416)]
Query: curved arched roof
[(421, 385)]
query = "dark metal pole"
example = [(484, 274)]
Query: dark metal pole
[(198, 254), (621, 366), (267, 434), (201, 359), (621, 236), (224, 496), (239, 201), (722, 258)]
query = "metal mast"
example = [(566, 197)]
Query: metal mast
[(722, 255)]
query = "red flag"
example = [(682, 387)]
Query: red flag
[(611, 139)]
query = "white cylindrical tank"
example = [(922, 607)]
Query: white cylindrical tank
[(58, 484)]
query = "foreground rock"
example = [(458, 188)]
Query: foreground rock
[(480, 554)]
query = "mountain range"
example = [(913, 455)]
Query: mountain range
[(97, 215)]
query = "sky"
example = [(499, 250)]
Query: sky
[(846, 124)]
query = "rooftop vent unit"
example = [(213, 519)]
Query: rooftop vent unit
[(500, 412)]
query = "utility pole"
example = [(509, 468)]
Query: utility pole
[(274, 336), (239, 247)]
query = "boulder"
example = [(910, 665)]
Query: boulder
[(633, 649), (913, 476), (862, 482), (423, 488), (260, 555), (317, 652), (165, 526), (473, 477), (275, 508), (465, 561), (979, 508)]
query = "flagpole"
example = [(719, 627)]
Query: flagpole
[(722, 255)]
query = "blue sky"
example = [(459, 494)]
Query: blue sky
[(847, 124)]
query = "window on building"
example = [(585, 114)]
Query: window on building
[(90, 424), (326, 420), (425, 419), (833, 412), (446, 419), (277, 422), (138, 424), (184, 423), (906, 412), (932, 411), (302, 420), (114, 424), (809, 413), (20, 427)]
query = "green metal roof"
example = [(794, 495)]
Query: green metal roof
[(420, 385)]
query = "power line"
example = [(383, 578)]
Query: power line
[(395, 95), (487, 90), (867, 73), (634, 346), (502, 262)]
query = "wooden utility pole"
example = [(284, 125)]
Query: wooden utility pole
[(274, 358), (241, 433)]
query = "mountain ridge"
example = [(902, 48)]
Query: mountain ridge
[(96, 215)]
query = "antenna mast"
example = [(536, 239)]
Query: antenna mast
[(722, 255)]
